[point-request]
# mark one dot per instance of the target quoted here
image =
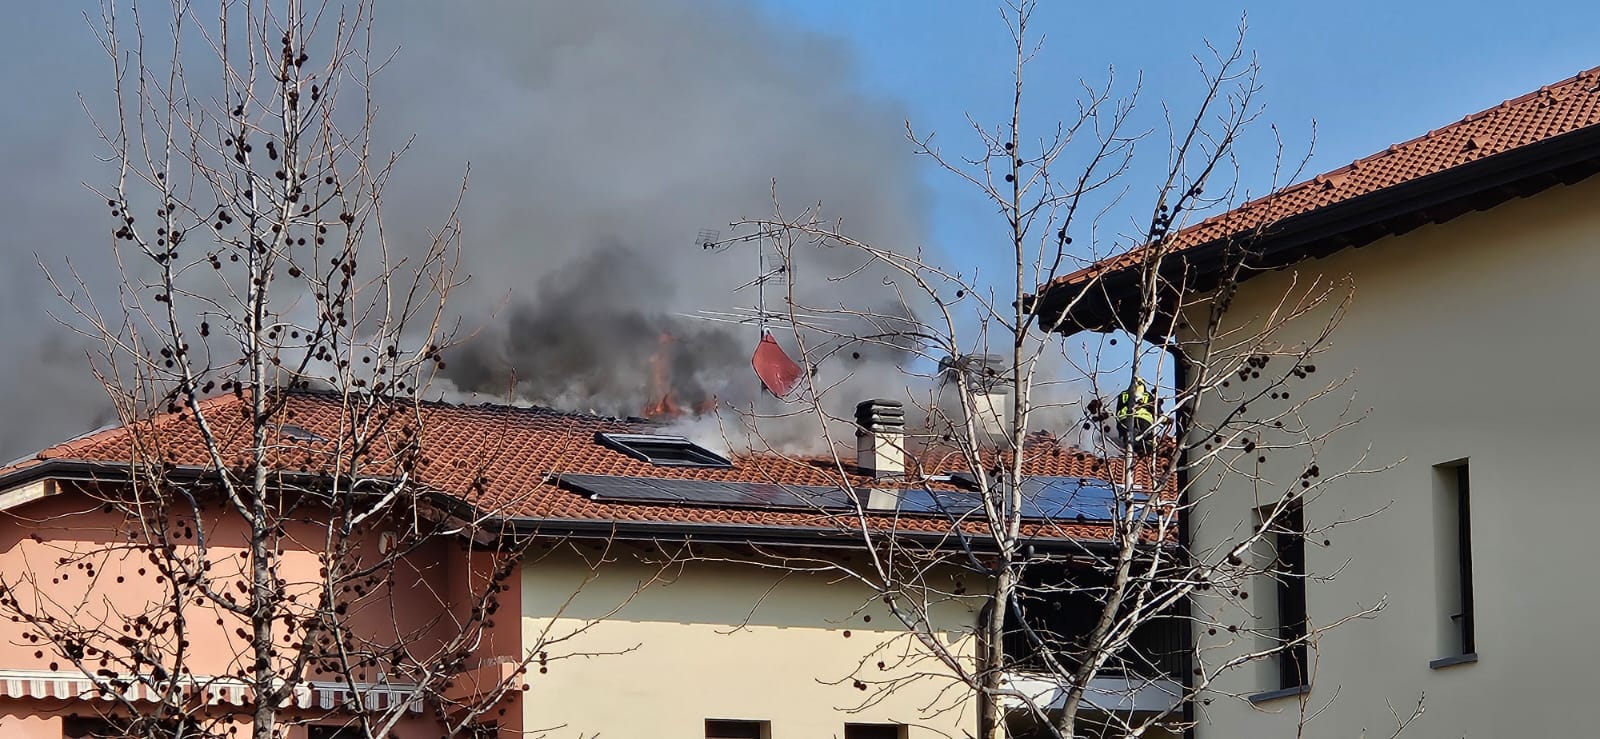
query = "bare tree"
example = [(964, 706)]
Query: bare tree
[(1073, 601), (261, 566)]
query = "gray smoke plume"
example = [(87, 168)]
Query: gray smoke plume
[(47, 152), (603, 136)]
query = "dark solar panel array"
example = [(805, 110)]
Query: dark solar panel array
[(1061, 498), (944, 502), (706, 493), (1085, 499), (1043, 498)]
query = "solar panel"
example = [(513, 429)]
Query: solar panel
[(1063, 498), (704, 492), (1052, 498), (948, 503), (1082, 499)]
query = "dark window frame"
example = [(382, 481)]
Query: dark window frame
[(98, 727), (1464, 618), (663, 450), (874, 731), (1289, 548), (1469, 632), (723, 728), (328, 731)]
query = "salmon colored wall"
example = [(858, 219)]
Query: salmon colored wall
[(499, 653), (65, 555)]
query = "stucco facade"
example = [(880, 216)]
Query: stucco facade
[(663, 649), (64, 557), (1467, 341)]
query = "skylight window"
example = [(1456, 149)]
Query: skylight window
[(300, 433), (663, 450)]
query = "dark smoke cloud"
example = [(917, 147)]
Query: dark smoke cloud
[(574, 346), (602, 135)]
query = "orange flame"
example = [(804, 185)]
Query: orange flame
[(665, 404)]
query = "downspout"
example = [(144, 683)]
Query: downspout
[(1181, 418)]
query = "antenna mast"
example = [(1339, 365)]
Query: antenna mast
[(771, 268)]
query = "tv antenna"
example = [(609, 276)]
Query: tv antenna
[(772, 271), (779, 374)]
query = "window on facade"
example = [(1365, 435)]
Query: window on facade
[(77, 727), (333, 732), (662, 450), (1287, 536), (1060, 605), (1452, 518), (731, 729), (874, 731), (81, 727)]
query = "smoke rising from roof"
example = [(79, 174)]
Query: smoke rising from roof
[(602, 136)]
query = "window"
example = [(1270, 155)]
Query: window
[(726, 729), (333, 732), (300, 433), (873, 731), (81, 727), (1452, 519), (662, 450), (78, 727), (1287, 536)]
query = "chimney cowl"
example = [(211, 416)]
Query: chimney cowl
[(880, 438), (985, 372), (989, 393), (880, 413)]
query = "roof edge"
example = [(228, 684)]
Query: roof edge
[(1101, 304), (745, 534)]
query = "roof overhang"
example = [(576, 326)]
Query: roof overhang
[(29, 483), (778, 536), (38, 480), (1111, 301)]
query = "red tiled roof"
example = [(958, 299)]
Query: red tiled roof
[(1553, 110), (501, 457)]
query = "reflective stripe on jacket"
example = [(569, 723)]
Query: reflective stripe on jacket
[(1137, 405)]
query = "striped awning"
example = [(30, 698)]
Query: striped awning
[(218, 690)]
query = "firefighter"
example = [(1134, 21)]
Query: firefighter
[(1136, 414)]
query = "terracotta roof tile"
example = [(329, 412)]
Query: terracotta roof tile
[(501, 458), (1553, 110)]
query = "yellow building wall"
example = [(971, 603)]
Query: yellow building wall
[(1470, 339), (642, 650)]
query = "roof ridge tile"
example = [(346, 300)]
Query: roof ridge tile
[(1552, 110)]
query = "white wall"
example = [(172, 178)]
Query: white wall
[(731, 641), (1472, 339)]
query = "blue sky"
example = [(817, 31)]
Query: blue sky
[(1369, 73)]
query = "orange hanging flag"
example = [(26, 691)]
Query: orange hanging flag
[(778, 373)]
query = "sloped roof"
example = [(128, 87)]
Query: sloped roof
[(501, 458), (1546, 115)]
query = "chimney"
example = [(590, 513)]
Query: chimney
[(988, 392), (880, 438)]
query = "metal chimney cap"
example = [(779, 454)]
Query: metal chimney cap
[(886, 415)]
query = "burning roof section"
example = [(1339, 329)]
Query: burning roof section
[(1516, 148), (510, 460)]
